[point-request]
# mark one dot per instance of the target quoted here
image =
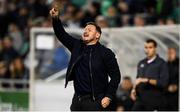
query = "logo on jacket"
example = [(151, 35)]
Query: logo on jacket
[(142, 65)]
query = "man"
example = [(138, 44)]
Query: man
[(173, 85), (90, 65), (152, 79), (123, 93)]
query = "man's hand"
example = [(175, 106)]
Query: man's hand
[(141, 80), (172, 88), (133, 94), (54, 12), (105, 102)]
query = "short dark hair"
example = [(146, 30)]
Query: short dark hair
[(98, 28), (152, 41)]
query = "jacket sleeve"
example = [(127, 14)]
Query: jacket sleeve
[(163, 76), (66, 39), (114, 74)]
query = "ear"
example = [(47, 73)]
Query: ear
[(97, 35)]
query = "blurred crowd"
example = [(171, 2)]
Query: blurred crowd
[(18, 16)]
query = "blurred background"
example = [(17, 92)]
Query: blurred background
[(33, 63)]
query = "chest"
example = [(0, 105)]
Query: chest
[(151, 70)]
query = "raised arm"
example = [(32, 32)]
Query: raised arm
[(66, 39)]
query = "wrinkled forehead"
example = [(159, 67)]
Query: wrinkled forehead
[(89, 27)]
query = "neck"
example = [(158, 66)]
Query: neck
[(91, 43), (151, 57)]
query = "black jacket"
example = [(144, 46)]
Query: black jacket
[(102, 63), (157, 70), (173, 71)]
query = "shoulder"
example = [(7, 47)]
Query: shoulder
[(107, 52), (142, 61), (161, 60)]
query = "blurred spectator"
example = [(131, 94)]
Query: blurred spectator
[(112, 18), (77, 19), (170, 21), (17, 37), (69, 12), (105, 4), (139, 20), (9, 53), (173, 85), (18, 69), (101, 21), (120, 108), (123, 94), (92, 11), (123, 7), (22, 16), (4, 73), (161, 22), (125, 20)]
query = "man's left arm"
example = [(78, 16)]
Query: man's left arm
[(114, 74)]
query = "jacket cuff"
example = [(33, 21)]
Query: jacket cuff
[(109, 96)]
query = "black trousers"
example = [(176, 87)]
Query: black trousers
[(150, 104), (85, 103), (172, 101)]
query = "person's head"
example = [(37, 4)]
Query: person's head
[(92, 33), (120, 108), (7, 42), (18, 64), (3, 68), (101, 21), (171, 54), (94, 8), (150, 48), (123, 7), (13, 28), (112, 11), (139, 20), (126, 83), (170, 21)]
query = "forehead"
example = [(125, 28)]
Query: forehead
[(171, 50), (149, 44), (90, 26)]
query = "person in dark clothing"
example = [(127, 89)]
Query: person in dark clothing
[(123, 94), (152, 79), (9, 53), (173, 85), (90, 65)]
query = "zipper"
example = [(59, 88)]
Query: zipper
[(90, 68)]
